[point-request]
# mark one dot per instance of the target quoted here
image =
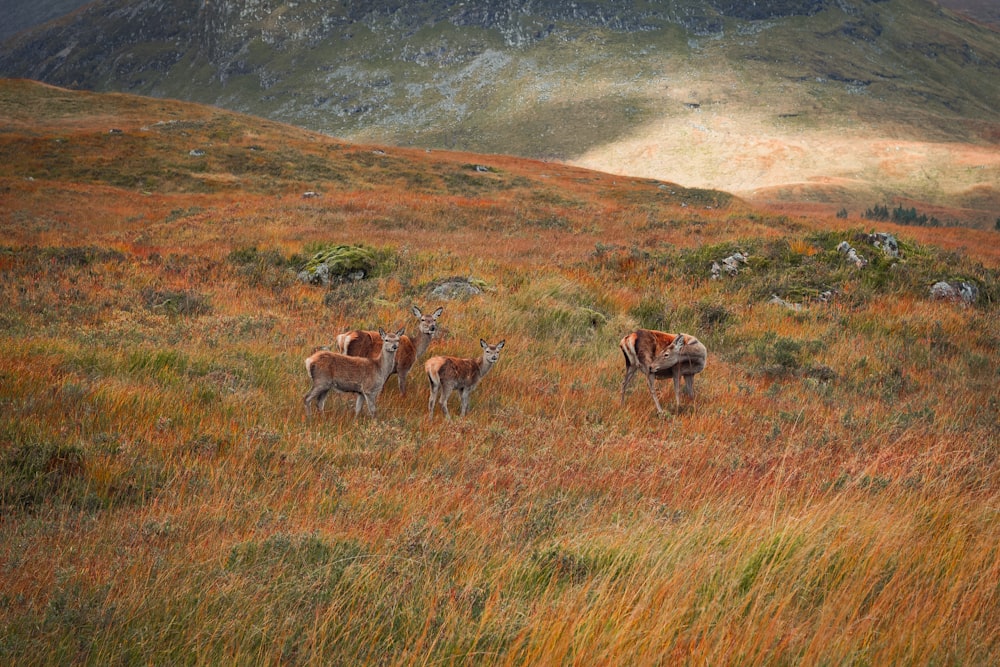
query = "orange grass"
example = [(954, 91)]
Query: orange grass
[(830, 496)]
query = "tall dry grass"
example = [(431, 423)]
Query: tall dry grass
[(829, 498)]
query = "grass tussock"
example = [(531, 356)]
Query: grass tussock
[(829, 496)]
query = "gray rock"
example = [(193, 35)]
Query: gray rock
[(955, 291), (455, 289)]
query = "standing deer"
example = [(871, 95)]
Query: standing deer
[(449, 373), (352, 375), (659, 354), (368, 343)]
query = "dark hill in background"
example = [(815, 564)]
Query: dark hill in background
[(843, 103), (20, 15)]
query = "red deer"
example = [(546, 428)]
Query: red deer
[(368, 343), (449, 373), (352, 375), (657, 355)]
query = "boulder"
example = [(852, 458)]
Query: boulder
[(454, 288), (958, 290), (339, 263)]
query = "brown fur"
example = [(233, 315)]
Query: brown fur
[(658, 354), (449, 373), (354, 375), (368, 344)]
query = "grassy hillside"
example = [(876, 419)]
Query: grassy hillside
[(829, 497)]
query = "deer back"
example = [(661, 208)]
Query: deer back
[(344, 372), (643, 346), (369, 344), (454, 371)]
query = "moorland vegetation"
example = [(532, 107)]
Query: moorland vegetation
[(830, 497)]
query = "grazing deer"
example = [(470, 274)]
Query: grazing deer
[(449, 373), (352, 375), (367, 344), (659, 354)]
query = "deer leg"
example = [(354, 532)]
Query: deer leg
[(629, 374), (357, 404), (434, 395), (370, 402), (465, 401), (318, 394), (677, 390), (402, 382), (652, 392), (689, 385), (321, 398), (445, 393)]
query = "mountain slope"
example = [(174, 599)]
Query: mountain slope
[(23, 14), (805, 100)]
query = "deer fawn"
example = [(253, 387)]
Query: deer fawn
[(368, 343), (659, 354), (449, 373), (352, 375)]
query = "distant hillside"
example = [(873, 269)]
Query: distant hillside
[(987, 11), (22, 14), (842, 103)]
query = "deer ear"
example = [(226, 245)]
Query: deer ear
[(501, 344), (401, 332), (417, 313), (437, 313), (381, 332), (679, 341), (483, 344)]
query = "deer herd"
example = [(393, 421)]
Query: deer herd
[(364, 360)]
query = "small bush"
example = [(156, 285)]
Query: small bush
[(267, 268), (777, 355), (35, 472), (82, 256), (176, 302), (652, 314)]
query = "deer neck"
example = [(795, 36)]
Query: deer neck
[(484, 366), (421, 343), (387, 361)]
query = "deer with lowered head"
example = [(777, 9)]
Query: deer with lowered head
[(367, 344), (447, 374), (661, 355), (352, 375)]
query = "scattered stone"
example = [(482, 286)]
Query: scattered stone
[(731, 265), (778, 301), (114, 130), (958, 290), (481, 169), (196, 152), (826, 296), (887, 242), (845, 249), (309, 194), (455, 288)]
